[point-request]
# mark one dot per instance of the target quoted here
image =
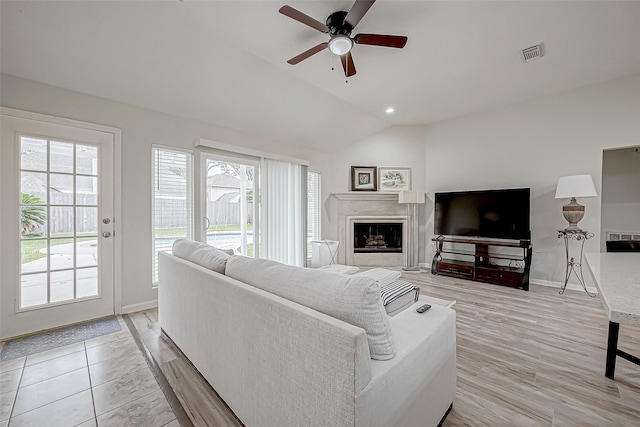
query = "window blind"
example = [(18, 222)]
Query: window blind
[(313, 209), (284, 205), (172, 194)]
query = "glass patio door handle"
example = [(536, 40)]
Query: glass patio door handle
[(207, 221), (106, 234)]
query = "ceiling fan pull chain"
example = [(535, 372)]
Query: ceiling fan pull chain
[(346, 71)]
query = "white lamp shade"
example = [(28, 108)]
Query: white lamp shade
[(575, 186), (411, 197)]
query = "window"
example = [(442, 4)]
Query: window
[(58, 221), (172, 200), (314, 208)]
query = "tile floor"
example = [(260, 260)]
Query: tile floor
[(104, 381)]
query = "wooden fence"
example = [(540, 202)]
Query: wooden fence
[(169, 213), (63, 219)]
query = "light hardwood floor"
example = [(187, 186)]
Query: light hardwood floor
[(524, 359)]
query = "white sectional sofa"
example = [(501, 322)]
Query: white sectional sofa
[(278, 362)]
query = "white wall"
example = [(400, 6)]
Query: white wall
[(620, 192), (532, 144), (140, 128)]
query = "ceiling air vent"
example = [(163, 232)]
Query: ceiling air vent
[(533, 52)]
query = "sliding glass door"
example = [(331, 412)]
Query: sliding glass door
[(230, 204)]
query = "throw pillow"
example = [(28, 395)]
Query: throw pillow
[(202, 254), (381, 275), (355, 300), (398, 295)]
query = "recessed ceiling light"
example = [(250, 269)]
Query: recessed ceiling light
[(389, 110)]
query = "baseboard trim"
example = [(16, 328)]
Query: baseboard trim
[(139, 306), (570, 286)]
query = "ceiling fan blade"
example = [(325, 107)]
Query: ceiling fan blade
[(307, 53), (305, 19), (381, 40), (357, 11), (348, 65)]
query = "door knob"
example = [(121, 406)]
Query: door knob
[(106, 220), (106, 234)]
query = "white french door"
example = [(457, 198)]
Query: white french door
[(57, 228)]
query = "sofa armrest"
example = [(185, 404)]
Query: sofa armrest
[(418, 385)]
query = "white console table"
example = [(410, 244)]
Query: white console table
[(617, 278)]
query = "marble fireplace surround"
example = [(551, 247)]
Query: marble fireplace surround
[(369, 207)]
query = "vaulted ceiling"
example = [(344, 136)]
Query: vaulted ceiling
[(224, 62)]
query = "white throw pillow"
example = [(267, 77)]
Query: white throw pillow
[(381, 275), (202, 254), (355, 300)]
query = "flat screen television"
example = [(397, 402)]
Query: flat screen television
[(502, 214)]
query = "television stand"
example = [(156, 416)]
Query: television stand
[(480, 265)]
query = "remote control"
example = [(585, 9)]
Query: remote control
[(423, 308)]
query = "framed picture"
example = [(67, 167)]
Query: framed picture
[(394, 179), (364, 178)]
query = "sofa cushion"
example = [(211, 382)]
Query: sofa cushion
[(355, 300), (381, 275), (339, 268), (202, 254)]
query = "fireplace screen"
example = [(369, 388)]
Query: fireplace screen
[(377, 237)]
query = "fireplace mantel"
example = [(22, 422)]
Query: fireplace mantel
[(367, 196)]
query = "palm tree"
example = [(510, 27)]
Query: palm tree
[(31, 217)]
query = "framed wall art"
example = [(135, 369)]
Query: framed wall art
[(364, 178), (394, 179)]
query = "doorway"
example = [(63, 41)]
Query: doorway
[(620, 209), (57, 223)]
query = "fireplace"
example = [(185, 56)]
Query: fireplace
[(376, 237), (376, 217), (382, 239)]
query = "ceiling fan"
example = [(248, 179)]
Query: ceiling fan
[(339, 26)]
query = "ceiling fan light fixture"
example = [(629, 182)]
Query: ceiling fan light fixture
[(340, 45)]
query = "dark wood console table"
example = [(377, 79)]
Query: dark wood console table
[(480, 265)]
